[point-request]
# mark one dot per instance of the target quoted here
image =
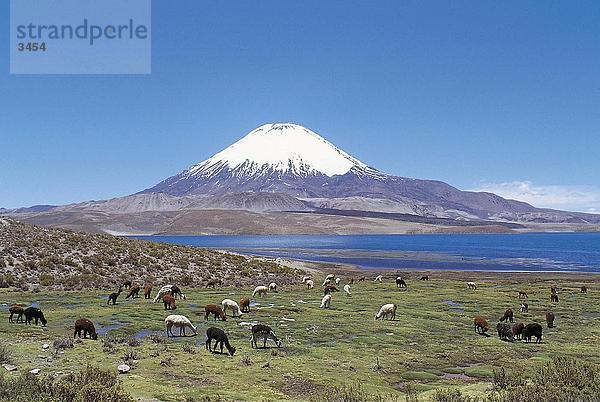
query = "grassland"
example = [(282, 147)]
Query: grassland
[(431, 345)]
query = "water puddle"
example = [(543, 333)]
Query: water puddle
[(461, 376), (247, 323), (589, 315), (269, 306), (114, 325)]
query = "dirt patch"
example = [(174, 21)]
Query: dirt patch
[(295, 387)]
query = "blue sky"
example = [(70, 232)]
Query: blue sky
[(502, 96)]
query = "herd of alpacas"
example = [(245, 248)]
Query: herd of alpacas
[(506, 327)]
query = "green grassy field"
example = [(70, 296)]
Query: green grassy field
[(430, 345)]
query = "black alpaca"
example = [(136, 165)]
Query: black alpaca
[(530, 330), (220, 338), (425, 278), (400, 283), (265, 332), (113, 296), (34, 313), (175, 291), (554, 298), (126, 284)]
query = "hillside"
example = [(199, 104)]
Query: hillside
[(32, 256)]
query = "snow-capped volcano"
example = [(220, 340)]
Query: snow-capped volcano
[(280, 147)]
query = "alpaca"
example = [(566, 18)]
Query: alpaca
[(113, 296), (330, 289), (524, 308), (272, 287), (351, 281), (126, 284), (326, 282), (305, 278), (325, 301), (481, 325), (87, 327), (550, 319), (378, 278), (245, 304), (387, 311), (554, 298), (169, 302), (337, 281), (517, 330), (310, 284), (178, 321), (523, 295), (235, 308), (424, 278), (163, 291), (260, 290), (471, 285), (220, 339), (330, 277), (508, 316), (505, 332), (134, 290), (265, 332), (584, 289), (212, 283), (32, 313), (147, 291), (553, 289), (400, 283), (347, 290), (530, 330), (216, 311), (17, 309), (175, 291), (362, 279)]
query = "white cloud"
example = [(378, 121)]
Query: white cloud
[(570, 198)]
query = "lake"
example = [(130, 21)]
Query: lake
[(550, 252)]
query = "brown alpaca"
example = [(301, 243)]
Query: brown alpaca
[(361, 279), (212, 283), (330, 289), (245, 304), (553, 289), (481, 325), (554, 298), (126, 284), (351, 282), (550, 319), (517, 330), (133, 292), (523, 295), (147, 291), (113, 296), (215, 310), (584, 289), (508, 316), (17, 309), (169, 302), (85, 325)]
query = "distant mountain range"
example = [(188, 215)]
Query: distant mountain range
[(285, 178)]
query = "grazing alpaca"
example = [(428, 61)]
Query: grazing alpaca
[(337, 281), (133, 292), (178, 321), (215, 310), (400, 282), (553, 289), (508, 316), (351, 282), (265, 332), (113, 296), (424, 278), (517, 330), (326, 282), (245, 304), (387, 311), (235, 308), (362, 279), (524, 308), (147, 291), (168, 289), (584, 289), (175, 291), (481, 325), (523, 295), (212, 283), (378, 278), (18, 310), (220, 338), (330, 289), (330, 277), (126, 284), (505, 332), (272, 287), (87, 327), (347, 290), (34, 313), (169, 302), (554, 298), (325, 301), (550, 319), (310, 284), (305, 278), (530, 330), (471, 285), (260, 290)]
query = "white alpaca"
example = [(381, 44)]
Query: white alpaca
[(337, 281), (163, 291), (325, 301), (272, 287), (347, 290), (471, 285), (326, 282), (260, 290), (305, 278), (310, 284), (378, 278), (235, 308), (330, 277), (178, 321), (386, 311)]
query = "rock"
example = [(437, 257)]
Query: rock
[(45, 346), (10, 367), (35, 371), (123, 368)]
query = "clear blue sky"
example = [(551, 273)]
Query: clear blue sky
[(474, 93)]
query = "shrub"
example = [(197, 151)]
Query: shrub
[(450, 395), (5, 355)]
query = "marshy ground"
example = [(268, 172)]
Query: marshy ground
[(430, 345)]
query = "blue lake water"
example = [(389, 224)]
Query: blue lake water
[(562, 252)]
